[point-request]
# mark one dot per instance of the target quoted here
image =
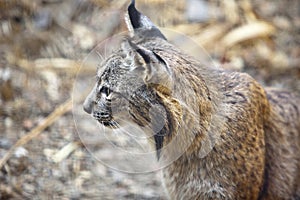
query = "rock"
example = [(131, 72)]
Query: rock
[(21, 152), (5, 143)]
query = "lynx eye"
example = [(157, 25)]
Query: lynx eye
[(105, 90)]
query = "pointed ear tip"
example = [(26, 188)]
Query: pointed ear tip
[(132, 4)]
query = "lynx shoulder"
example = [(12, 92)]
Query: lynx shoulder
[(241, 141)]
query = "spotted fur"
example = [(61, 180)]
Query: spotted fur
[(240, 141)]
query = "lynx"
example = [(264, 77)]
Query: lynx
[(243, 141)]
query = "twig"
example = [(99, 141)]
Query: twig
[(247, 32), (65, 151), (62, 109), (57, 64)]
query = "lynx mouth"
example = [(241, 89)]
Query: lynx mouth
[(105, 119), (109, 123)]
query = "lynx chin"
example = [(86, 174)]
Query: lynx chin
[(241, 141)]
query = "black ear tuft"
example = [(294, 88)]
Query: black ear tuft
[(134, 15), (141, 23)]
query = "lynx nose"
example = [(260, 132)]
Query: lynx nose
[(87, 108), (89, 102), (88, 105)]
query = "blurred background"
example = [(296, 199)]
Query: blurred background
[(42, 45)]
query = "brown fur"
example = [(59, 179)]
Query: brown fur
[(240, 141)]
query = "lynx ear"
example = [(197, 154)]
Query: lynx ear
[(155, 67), (138, 23)]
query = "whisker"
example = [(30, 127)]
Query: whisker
[(149, 139), (106, 135), (102, 127), (112, 125), (105, 52), (100, 56), (136, 140), (147, 127), (115, 124)]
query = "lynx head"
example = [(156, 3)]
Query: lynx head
[(126, 80)]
